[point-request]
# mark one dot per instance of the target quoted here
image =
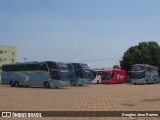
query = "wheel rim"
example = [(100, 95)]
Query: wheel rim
[(12, 84), (73, 83), (46, 85), (16, 84)]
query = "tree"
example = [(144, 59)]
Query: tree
[(144, 53), (116, 66)]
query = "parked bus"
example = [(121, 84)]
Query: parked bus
[(96, 76), (79, 73), (113, 75), (47, 74), (143, 74)]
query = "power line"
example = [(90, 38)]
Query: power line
[(96, 60)]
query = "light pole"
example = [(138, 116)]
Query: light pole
[(25, 59)]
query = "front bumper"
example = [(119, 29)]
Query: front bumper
[(137, 81)]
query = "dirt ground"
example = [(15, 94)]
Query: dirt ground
[(93, 97)]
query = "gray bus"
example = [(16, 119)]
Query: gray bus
[(47, 74), (143, 74), (80, 74)]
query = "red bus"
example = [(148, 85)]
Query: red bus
[(113, 75)]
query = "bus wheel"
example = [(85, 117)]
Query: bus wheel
[(12, 84), (146, 81), (46, 85), (73, 83), (16, 84), (154, 81), (80, 84)]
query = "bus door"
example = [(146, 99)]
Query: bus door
[(79, 76)]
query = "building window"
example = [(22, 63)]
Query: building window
[(5, 51), (12, 53), (5, 59), (12, 60), (1, 59), (1, 51)]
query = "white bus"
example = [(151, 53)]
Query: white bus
[(97, 76), (143, 74), (47, 74)]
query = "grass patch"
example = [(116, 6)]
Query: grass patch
[(158, 82)]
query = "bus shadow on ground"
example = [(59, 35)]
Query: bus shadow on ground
[(79, 86), (151, 100), (35, 87), (129, 105)]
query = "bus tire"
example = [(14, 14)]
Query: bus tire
[(73, 83), (46, 85), (146, 81), (154, 82), (80, 84), (12, 84), (16, 84)]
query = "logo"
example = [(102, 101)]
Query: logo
[(6, 114), (21, 114), (119, 76)]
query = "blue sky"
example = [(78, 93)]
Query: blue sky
[(78, 30)]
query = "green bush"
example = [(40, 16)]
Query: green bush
[(158, 82)]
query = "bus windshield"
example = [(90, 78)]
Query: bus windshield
[(55, 74), (137, 75), (52, 65), (53, 70), (87, 74), (77, 66), (63, 71), (106, 75), (85, 66)]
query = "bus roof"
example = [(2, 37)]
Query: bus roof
[(34, 62), (145, 67), (113, 69)]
